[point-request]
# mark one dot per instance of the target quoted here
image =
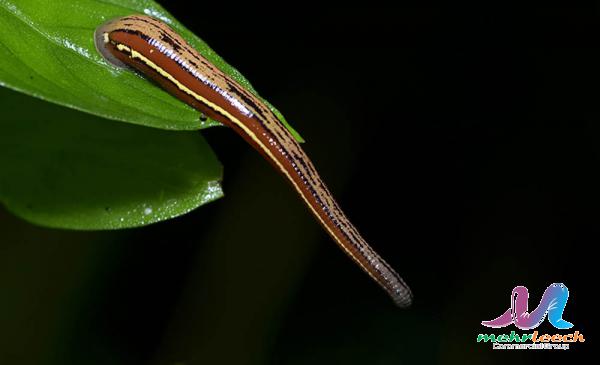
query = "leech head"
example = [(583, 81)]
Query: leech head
[(107, 47), (118, 40)]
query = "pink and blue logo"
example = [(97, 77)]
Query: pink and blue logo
[(552, 305)]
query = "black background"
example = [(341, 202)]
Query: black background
[(463, 143)]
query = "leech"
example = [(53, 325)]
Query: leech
[(154, 49)]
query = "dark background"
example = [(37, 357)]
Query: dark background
[(464, 143)]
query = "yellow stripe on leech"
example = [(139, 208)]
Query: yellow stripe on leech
[(225, 113)]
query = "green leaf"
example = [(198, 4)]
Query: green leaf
[(47, 50), (63, 168)]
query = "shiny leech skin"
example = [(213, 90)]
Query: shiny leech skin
[(154, 49)]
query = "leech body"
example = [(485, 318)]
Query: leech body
[(155, 50)]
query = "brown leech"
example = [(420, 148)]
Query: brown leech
[(154, 49)]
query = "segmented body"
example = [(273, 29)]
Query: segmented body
[(154, 49)]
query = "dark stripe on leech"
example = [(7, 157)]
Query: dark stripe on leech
[(302, 161), (174, 36), (165, 38)]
